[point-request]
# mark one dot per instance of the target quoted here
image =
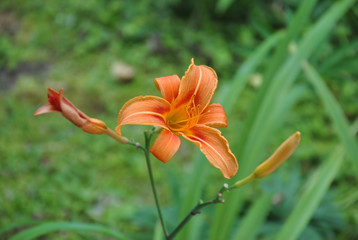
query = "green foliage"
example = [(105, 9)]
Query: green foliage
[(309, 202), (49, 227), (248, 227)]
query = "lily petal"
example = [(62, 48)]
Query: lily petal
[(165, 146), (214, 116), (94, 126), (45, 109), (168, 87), (53, 98), (70, 112), (199, 83), (147, 110), (215, 147)]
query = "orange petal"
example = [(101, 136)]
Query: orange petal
[(45, 109), (214, 116), (94, 126), (53, 98), (215, 147), (168, 86), (70, 112), (165, 146), (148, 110), (200, 82)]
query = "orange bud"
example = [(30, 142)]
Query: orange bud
[(58, 103), (94, 126), (283, 152)]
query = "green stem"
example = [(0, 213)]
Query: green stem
[(196, 209), (192, 213), (116, 136), (148, 136), (244, 181)]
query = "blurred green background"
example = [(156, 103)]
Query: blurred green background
[(104, 53)]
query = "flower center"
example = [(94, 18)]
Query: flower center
[(184, 117)]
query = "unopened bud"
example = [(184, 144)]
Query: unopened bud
[(58, 103), (283, 152), (94, 126)]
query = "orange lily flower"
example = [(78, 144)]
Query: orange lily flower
[(58, 103), (184, 111)]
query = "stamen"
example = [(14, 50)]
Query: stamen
[(193, 114), (190, 122), (185, 120)]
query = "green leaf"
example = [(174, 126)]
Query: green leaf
[(315, 191), (309, 201), (335, 112), (252, 221), (294, 29), (17, 224), (261, 121), (338, 56), (291, 98), (158, 232), (223, 5), (231, 92), (49, 227), (192, 194)]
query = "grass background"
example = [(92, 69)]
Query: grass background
[(52, 171)]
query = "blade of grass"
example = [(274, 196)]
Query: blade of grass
[(49, 227), (307, 204), (192, 194), (223, 5), (252, 221), (294, 29), (291, 98), (231, 92), (335, 112), (17, 225), (338, 56), (290, 70), (310, 199), (158, 232), (260, 122)]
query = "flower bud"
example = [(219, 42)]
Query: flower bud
[(283, 152), (94, 126), (58, 103)]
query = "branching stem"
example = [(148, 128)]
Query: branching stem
[(196, 209)]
